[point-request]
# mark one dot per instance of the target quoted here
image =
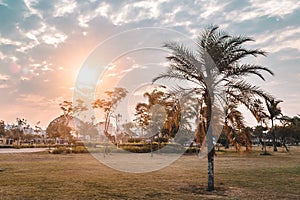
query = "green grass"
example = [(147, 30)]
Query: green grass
[(80, 176)]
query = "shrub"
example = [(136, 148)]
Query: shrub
[(80, 149), (134, 140), (79, 143), (68, 150), (64, 150), (161, 139), (192, 150), (146, 148), (137, 149), (59, 150)]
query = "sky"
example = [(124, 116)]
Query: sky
[(45, 44)]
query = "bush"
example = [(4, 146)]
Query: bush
[(137, 149), (80, 149), (59, 150), (172, 148), (64, 150), (146, 148), (134, 140), (192, 150), (6, 146), (134, 148), (161, 140), (68, 150)]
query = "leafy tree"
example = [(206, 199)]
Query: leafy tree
[(62, 126), (2, 128), (108, 105), (283, 133), (142, 116), (128, 126), (69, 109), (290, 130), (172, 112), (88, 128), (189, 108), (258, 131), (213, 67)]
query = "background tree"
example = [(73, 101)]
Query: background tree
[(142, 116), (213, 67), (171, 107), (88, 129), (2, 129), (60, 128), (189, 116), (108, 105), (258, 132), (274, 112), (293, 125), (129, 128), (63, 126)]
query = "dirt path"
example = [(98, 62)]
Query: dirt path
[(22, 150)]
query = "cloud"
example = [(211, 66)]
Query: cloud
[(279, 8), (7, 41), (122, 13), (2, 86), (3, 77), (102, 9), (64, 7), (54, 39), (136, 11), (257, 9), (2, 56), (44, 43), (281, 39), (2, 3), (210, 8)]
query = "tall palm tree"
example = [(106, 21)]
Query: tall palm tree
[(215, 66), (274, 111)]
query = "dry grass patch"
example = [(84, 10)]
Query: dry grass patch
[(80, 176)]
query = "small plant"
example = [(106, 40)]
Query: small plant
[(80, 149), (59, 150)]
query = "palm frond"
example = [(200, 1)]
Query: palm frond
[(242, 87), (272, 106), (245, 70), (251, 103)]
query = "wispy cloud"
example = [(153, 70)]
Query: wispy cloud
[(4, 77), (64, 7)]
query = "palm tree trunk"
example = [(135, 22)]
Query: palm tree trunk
[(210, 168), (210, 144), (151, 147), (273, 136)]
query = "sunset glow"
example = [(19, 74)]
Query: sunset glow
[(43, 47)]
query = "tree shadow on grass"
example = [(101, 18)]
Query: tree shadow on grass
[(202, 190)]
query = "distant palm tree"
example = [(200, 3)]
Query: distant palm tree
[(213, 67), (274, 111)]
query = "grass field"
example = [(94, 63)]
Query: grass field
[(80, 176)]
